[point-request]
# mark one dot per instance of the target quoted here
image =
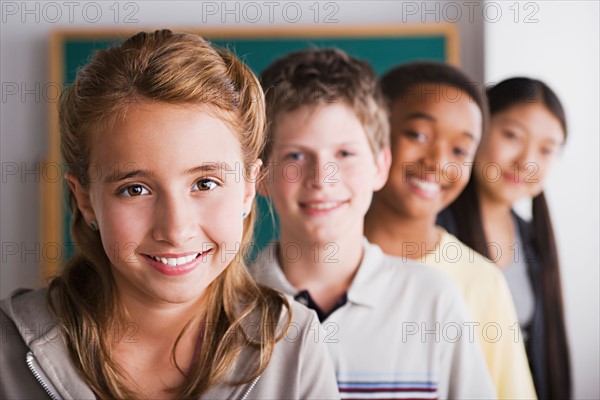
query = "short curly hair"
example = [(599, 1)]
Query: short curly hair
[(322, 76)]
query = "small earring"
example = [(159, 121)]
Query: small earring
[(94, 225), (244, 214)]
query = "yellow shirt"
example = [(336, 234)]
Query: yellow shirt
[(495, 323)]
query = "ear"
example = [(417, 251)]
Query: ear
[(82, 197), (252, 173), (261, 186), (383, 161)]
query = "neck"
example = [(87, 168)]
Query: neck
[(400, 235), (160, 323), (145, 347), (492, 210), (325, 269), (499, 229)]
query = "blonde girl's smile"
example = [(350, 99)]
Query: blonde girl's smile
[(170, 265), (171, 221)]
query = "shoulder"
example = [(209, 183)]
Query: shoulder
[(398, 270), (459, 258), (526, 237), (266, 270), (417, 273), (28, 310), (301, 317), (265, 261), (481, 281), (403, 279), (26, 325), (300, 365)]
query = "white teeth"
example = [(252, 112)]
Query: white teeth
[(322, 206), (173, 262), (427, 186)]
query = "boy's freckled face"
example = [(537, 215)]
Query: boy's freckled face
[(169, 211), (435, 132), (324, 173)]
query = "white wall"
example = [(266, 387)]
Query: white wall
[(552, 49), (561, 48)]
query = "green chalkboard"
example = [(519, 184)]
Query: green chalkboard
[(384, 47)]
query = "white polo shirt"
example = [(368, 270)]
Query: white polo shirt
[(403, 333)]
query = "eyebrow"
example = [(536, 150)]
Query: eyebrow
[(469, 135), (515, 122), (304, 146), (209, 167), (121, 175), (553, 142), (421, 115)]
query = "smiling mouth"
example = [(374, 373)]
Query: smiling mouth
[(177, 261), (427, 187), (322, 206), (513, 178)]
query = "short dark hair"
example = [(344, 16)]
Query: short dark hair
[(397, 83)]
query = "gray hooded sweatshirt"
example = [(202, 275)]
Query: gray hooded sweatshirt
[(35, 364)]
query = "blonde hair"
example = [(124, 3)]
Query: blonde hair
[(323, 76), (175, 69)]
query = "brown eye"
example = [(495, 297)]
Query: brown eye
[(460, 152), (416, 136), (134, 190), (510, 135), (204, 185)]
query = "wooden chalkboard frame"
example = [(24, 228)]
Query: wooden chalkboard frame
[(52, 201)]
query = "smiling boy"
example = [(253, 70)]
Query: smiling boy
[(386, 320)]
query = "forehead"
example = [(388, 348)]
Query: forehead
[(445, 105), (166, 138), (319, 125)]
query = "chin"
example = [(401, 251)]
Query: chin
[(324, 235)]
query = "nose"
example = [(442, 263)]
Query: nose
[(322, 172), (526, 157), (175, 222), (435, 156)]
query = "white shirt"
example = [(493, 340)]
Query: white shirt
[(401, 334)]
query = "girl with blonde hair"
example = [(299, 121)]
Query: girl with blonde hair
[(161, 136)]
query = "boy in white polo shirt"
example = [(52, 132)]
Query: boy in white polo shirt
[(395, 329)]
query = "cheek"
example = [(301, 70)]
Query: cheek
[(535, 175), (221, 223), (357, 173), (122, 221), (498, 152), (288, 173), (404, 151), (123, 229), (223, 212), (457, 173), (285, 180)]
